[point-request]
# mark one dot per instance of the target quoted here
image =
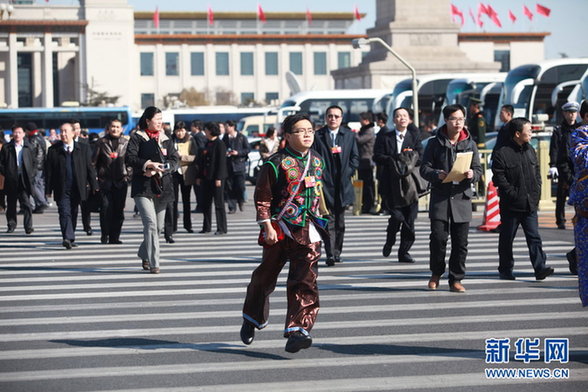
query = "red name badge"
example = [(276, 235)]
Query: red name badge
[(336, 150), (164, 151), (309, 181), (113, 155)]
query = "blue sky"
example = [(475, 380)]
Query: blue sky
[(568, 23)]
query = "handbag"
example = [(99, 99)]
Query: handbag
[(156, 187), (275, 222)]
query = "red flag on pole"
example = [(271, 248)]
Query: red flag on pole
[(485, 9), (481, 10), (527, 12), (493, 16), (356, 13), (542, 10), (210, 16), (457, 12), (156, 18), (473, 17), (308, 16), (260, 13), (512, 16)]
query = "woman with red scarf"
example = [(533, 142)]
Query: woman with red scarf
[(153, 157)]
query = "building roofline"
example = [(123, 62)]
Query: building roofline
[(21, 22), (502, 37), (249, 15), (151, 39)]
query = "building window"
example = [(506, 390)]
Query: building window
[(296, 63), (247, 63), (271, 63), (222, 63), (503, 57), (197, 63), (172, 61), (147, 100), (320, 63), (146, 64), (343, 59), (269, 97), (247, 98)]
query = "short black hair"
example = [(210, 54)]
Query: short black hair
[(508, 108), (368, 116), (450, 109), (292, 119), (270, 131), (583, 108), (334, 107), (17, 125), (382, 117), (230, 123), (213, 128), (196, 124), (516, 125), (180, 125), (402, 108)]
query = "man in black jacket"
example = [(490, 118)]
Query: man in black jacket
[(70, 176), (450, 208), (237, 154), (338, 147), (515, 169), (560, 164), (39, 145), (18, 164), (399, 194)]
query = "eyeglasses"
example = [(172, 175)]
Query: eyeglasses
[(456, 119), (305, 131)]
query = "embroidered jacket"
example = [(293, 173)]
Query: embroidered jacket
[(279, 177)]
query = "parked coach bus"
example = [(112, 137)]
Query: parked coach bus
[(529, 88), (95, 119), (353, 102), (431, 91)]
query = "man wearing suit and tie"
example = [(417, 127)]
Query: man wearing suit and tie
[(399, 153), (70, 175), (18, 165), (338, 147)]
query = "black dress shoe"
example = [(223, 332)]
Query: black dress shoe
[(338, 259), (387, 249), (405, 259), (561, 226), (506, 276), (66, 244), (145, 264), (544, 273), (74, 245), (169, 240), (572, 261), (231, 212), (247, 332), (204, 231), (220, 232), (115, 242), (104, 239), (330, 262), (298, 341), (29, 231), (189, 230), (10, 230), (89, 232)]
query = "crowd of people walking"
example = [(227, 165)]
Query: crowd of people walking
[(210, 161)]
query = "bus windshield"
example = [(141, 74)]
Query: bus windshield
[(512, 85)]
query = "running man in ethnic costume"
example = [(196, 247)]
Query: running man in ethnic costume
[(288, 203), (579, 199)]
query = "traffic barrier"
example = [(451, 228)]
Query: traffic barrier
[(492, 210)]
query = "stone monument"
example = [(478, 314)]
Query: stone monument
[(422, 33)]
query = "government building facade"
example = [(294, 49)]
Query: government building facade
[(102, 51)]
